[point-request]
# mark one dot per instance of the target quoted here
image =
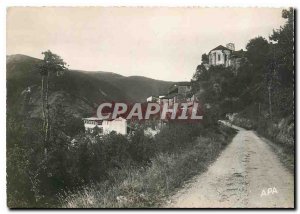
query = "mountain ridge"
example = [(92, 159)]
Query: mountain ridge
[(80, 91), (16, 57)]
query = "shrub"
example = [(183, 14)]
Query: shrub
[(147, 186)]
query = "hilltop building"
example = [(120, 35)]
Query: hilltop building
[(226, 56)]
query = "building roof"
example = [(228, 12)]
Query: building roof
[(220, 47), (92, 118), (100, 119)]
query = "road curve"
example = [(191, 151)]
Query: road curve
[(247, 174)]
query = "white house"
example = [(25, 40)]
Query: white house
[(220, 55), (119, 125), (226, 56)]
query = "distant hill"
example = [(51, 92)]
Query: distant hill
[(79, 91), (138, 88)]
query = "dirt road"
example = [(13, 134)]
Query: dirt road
[(246, 174)]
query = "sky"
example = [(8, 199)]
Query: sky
[(160, 43)]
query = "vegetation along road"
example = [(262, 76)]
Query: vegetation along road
[(247, 174)]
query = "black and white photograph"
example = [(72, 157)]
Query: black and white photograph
[(150, 107)]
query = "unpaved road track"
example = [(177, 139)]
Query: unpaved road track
[(241, 175)]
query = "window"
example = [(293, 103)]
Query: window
[(219, 57)]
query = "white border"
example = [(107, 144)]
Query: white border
[(170, 3)]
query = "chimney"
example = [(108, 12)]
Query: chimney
[(230, 46)]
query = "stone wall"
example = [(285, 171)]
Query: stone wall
[(219, 57)]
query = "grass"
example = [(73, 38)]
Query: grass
[(285, 154), (278, 135), (150, 186)]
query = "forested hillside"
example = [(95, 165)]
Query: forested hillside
[(79, 91), (261, 91)]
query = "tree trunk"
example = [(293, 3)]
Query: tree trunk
[(43, 102), (270, 101), (46, 116)]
